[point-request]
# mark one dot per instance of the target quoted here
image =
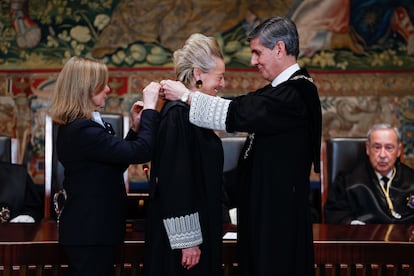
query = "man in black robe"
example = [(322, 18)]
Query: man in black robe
[(20, 200), (378, 190), (283, 120)]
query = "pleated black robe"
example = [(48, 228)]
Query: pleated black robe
[(275, 228), (186, 177)]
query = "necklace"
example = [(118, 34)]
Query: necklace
[(386, 192), (249, 147)]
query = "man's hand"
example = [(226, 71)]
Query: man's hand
[(173, 90)]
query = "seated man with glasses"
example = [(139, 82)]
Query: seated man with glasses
[(380, 190)]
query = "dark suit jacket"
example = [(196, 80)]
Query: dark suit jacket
[(94, 162)]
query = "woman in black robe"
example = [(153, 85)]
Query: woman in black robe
[(184, 223)]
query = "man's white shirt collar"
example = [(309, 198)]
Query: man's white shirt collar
[(389, 175), (285, 75)]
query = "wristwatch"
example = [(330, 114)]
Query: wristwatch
[(184, 97)]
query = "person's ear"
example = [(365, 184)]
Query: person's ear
[(197, 73), (279, 48)]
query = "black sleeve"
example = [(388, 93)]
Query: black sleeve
[(176, 164), (33, 204), (337, 208)]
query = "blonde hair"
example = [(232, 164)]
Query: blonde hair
[(80, 79), (198, 52)]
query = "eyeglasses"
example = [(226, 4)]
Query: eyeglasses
[(388, 147)]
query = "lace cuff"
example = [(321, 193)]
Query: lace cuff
[(183, 232), (209, 111)]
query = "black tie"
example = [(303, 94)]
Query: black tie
[(385, 180)]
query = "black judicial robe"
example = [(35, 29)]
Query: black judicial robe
[(357, 195), (186, 177), (275, 228)]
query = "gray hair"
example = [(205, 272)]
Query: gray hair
[(198, 52), (383, 127), (277, 29)]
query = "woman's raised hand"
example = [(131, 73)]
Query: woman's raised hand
[(150, 95)]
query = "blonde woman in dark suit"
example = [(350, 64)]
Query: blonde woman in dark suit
[(92, 222)]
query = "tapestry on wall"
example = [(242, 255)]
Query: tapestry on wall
[(360, 54)]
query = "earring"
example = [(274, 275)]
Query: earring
[(199, 84)]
